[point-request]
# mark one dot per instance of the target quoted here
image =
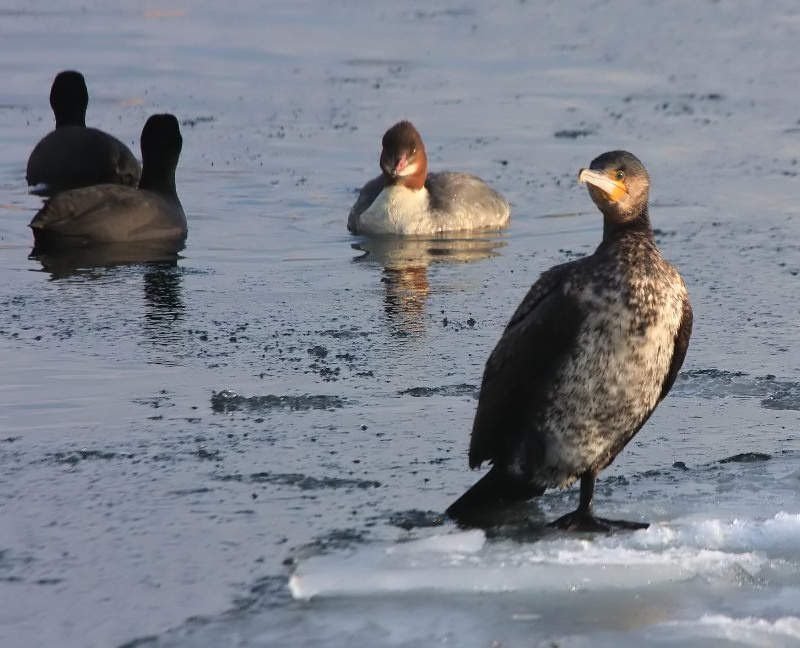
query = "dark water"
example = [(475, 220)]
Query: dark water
[(180, 439)]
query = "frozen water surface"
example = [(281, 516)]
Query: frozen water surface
[(252, 445)]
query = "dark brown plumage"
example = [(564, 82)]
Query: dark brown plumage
[(73, 155), (594, 346), (111, 213)]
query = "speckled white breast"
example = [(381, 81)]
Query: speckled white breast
[(615, 374)]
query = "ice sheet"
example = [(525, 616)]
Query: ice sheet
[(466, 562)]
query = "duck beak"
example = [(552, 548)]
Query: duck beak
[(612, 190), (394, 166), (399, 165)]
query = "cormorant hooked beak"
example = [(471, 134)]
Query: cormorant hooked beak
[(611, 184)]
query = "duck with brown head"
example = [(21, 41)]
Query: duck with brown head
[(592, 349), (407, 200)]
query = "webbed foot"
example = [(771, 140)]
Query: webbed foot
[(584, 521)]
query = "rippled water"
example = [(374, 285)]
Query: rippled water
[(253, 445)]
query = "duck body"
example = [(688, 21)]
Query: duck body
[(77, 156), (592, 349), (406, 200), (110, 213), (74, 155), (448, 202)]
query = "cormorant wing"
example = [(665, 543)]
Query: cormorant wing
[(535, 344), (681, 345)]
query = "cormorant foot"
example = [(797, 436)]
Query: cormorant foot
[(583, 521)]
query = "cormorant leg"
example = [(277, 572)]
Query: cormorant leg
[(583, 519)]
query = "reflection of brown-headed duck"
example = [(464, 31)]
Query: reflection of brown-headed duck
[(109, 213), (73, 155), (592, 349), (407, 200)]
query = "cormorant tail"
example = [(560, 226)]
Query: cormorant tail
[(494, 489)]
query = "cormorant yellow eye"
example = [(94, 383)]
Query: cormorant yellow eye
[(620, 175)]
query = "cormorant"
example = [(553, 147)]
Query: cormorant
[(594, 346)]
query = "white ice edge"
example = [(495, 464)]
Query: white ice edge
[(741, 629), (464, 562), (543, 577)]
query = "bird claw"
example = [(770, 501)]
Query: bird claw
[(587, 522)]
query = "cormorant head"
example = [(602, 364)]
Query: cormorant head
[(618, 184)]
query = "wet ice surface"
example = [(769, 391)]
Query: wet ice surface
[(289, 405)]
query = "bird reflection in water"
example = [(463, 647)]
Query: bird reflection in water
[(71, 261), (164, 308), (406, 291), (405, 262), (161, 279)]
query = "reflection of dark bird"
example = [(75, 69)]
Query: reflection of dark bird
[(109, 213), (162, 291), (73, 155), (592, 349), (164, 309), (406, 200), (68, 262)]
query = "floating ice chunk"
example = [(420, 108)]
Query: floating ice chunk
[(783, 631), (467, 542), (465, 562), (775, 537)]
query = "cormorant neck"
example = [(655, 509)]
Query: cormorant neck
[(613, 228)]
